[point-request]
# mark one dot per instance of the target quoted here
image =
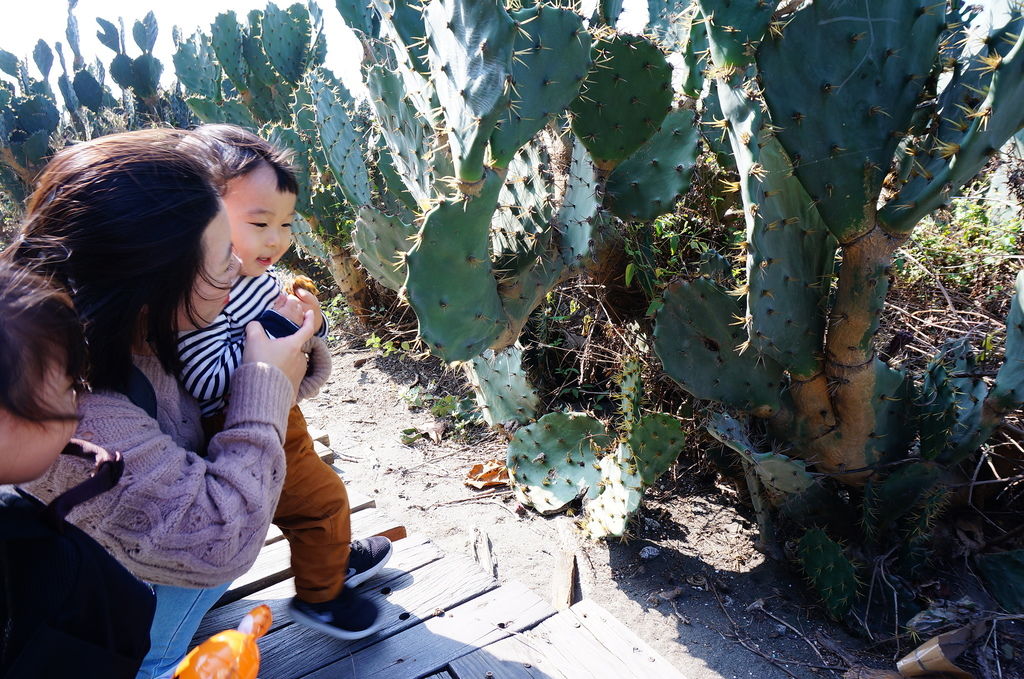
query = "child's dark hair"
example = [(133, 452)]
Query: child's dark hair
[(118, 223), (40, 331), (238, 152)]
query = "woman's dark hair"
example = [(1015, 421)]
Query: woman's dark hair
[(118, 221), (40, 331), (237, 152)]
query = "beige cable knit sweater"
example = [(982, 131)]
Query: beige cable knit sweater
[(177, 518)]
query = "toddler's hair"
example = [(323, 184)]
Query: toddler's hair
[(238, 152), (40, 331)]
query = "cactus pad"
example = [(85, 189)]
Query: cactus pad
[(1008, 390), (655, 442), (381, 242), (285, 35), (778, 472), (553, 461), (829, 570), (464, 316), (651, 180), (552, 56), (470, 49), (631, 392), (578, 210), (846, 96), (625, 98), (502, 388), (699, 342), (340, 138), (735, 28), (608, 514)]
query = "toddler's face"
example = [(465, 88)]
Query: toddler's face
[(27, 449), (261, 219)]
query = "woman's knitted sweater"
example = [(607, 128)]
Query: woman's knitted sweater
[(177, 517)]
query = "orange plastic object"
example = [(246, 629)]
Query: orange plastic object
[(232, 654)]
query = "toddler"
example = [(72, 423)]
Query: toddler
[(259, 190), (67, 608)]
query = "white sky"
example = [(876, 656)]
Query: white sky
[(26, 21)]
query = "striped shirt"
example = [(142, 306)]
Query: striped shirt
[(211, 355)]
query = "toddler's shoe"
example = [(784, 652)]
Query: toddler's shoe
[(348, 616), (368, 556)]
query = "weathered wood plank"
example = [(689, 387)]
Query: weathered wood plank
[(357, 501), (274, 561), (410, 554), (439, 675), (509, 658), (404, 602), (563, 647), (623, 643), (433, 644)]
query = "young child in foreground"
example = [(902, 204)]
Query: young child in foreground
[(67, 607), (259, 191)]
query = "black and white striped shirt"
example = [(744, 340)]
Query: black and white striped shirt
[(211, 355)]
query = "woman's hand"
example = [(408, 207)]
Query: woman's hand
[(284, 353), (309, 302)]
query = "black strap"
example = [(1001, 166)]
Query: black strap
[(108, 471), (140, 391)]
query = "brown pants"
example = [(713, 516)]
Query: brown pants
[(313, 513)]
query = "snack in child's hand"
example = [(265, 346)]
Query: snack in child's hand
[(301, 282)]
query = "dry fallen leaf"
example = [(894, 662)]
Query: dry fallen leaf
[(490, 474)]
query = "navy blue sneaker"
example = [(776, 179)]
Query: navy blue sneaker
[(348, 616), (368, 556)]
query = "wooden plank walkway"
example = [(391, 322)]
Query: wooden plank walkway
[(446, 618)]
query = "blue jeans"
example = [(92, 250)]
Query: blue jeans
[(179, 610)]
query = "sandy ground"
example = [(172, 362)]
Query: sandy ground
[(705, 598)]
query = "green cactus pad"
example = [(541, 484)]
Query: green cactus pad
[(630, 394), (698, 336), (1008, 391), (552, 56), (649, 182), (226, 38), (196, 67), (895, 415), (402, 23), (735, 28), (524, 293), (952, 405), (845, 96), (359, 16), (902, 492), (470, 48), (790, 251), (655, 442), (260, 69), (778, 472), (340, 138), (42, 55), (381, 243), (625, 98), (144, 32), (553, 461), (464, 316), (405, 127), (579, 209), (608, 514), (829, 570), (964, 138), (503, 390), (285, 34), (520, 226), (88, 91), (689, 80), (230, 111)]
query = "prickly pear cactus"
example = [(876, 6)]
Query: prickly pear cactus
[(554, 461), (502, 387), (831, 573)]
